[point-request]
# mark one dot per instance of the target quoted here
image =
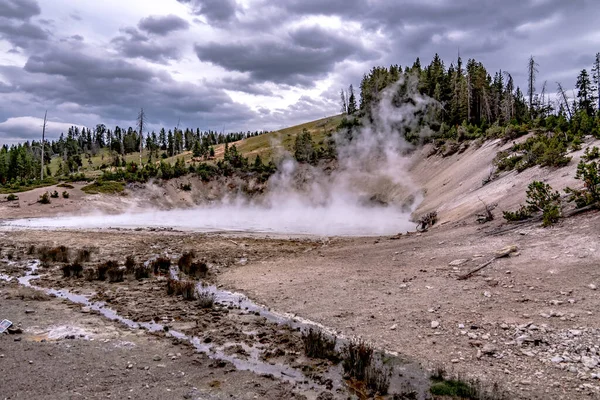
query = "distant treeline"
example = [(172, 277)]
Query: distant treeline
[(22, 162), (470, 95)]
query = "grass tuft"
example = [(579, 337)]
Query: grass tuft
[(318, 345), (104, 187)]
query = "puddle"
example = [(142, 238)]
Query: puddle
[(405, 374)]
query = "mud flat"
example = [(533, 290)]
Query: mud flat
[(526, 325)]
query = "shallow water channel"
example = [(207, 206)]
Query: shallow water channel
[(405, 376)]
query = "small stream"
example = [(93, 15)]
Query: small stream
[(405, 375)]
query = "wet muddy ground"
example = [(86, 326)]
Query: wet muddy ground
[(233, 335), (527, 324)]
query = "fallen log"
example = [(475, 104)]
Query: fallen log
[(505, 252), (470, 273)]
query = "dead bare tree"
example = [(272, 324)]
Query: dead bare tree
[(427, 221), (565, 99), (42, 144), (531, 75), (487, 215)]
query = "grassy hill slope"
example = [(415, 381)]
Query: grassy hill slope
[(267, 145)]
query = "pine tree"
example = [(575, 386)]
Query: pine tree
[(351, 101), (170, 144), (585, 94)]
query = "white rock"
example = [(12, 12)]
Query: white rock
[(487, 294), (461, 326), (489, 349), (557, 359), (592, 286), (589, 362), (435, 324), (394, 327), (456, 263)]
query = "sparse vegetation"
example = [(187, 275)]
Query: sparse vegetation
[(54, 195), (115, 273), (104, 269), (427, 221), (130, 264), (12, 197), (72, 270), (186, 187), (65, 195), (44, 198), (458, 388), (104, 187), (188, 289), (378, 379), (84, 255), (141, 271), (540, 198), (185, 262), (356, 358), (319, 345), (161, 265), (57, 254), (65, 185), (546, 150), (589, 173)]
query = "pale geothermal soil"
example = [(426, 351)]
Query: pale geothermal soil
[(529, 322)]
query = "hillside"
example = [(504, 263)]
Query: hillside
[(267, 145)]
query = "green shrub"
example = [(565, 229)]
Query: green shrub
[(186, 187), (107, 187), (520, 215), (65, 194), (591, 153), (44, 198), (54, 195), (12, 197), (589, 173), (540, 198)]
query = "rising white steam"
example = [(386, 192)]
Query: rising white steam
[(369, 192)]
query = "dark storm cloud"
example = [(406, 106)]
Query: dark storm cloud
[(163, 25), (264, 48), (115, 88), (19, 9), (134, 44), (309, 53), (213, 10), (21, 34)]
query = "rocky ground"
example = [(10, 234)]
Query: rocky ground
[(527, 324)]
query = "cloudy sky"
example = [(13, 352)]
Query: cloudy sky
[(256, 64)]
